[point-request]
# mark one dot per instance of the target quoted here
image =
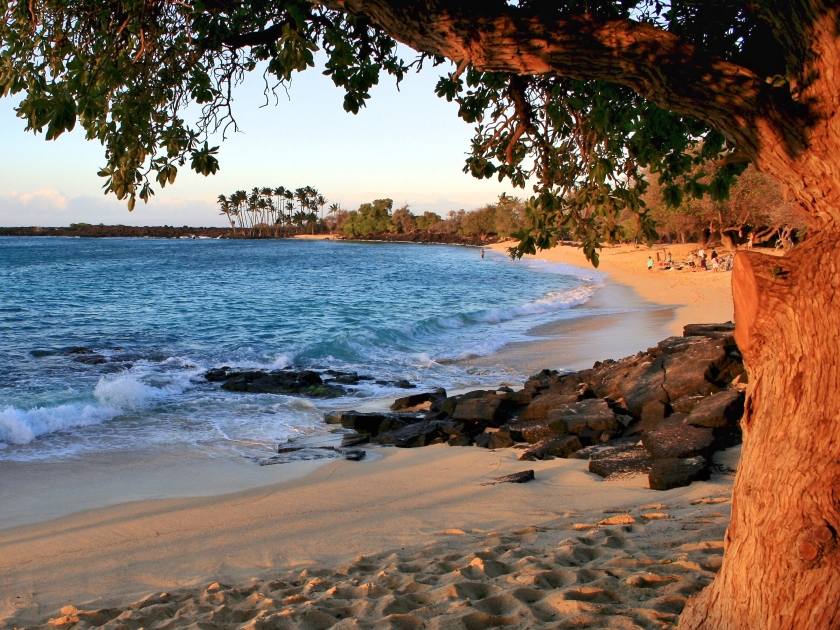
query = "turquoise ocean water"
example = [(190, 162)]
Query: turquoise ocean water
[(103, 341)]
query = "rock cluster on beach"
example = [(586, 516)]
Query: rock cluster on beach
[(292, 382), (663, 412)]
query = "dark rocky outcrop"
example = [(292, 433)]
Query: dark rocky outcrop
[(686, 403), (459, 439), (532, 431), (621, 459), (418, 434), (561, 445), (418, 399), (494, 439), (713, 331), (523, 476), (288, 382), (723, 409), (485, 410), (674, 473), (662, 412), (375, 423), (675, 439), (217, 375), (292, 382)]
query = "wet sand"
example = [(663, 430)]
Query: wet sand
[(575, 343)]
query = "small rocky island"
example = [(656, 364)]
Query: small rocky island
[(663, 412)]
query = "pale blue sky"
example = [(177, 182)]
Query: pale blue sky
[(408, 145)]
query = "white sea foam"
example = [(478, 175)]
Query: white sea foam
[(284, 359), (491, 342), (18, 426), (129, 393), (269, 362), (550, 303), (300, 404)]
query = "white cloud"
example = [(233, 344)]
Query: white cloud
[(47, 198), (48, 207), (52, 208)]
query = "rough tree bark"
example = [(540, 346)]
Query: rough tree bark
[(781, 567)]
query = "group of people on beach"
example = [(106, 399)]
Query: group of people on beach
[(699, 260)]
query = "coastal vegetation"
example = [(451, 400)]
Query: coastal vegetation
[(755, 212), (273, 211), (283, 212), (501, 219), (587, 99)]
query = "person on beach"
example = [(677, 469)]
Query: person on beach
[(715, 264), (650, 263), (482, 253), (703, 265)]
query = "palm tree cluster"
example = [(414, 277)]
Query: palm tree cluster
[(278, 211)]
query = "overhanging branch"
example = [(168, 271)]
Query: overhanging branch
[(256, 38), (657, 64)]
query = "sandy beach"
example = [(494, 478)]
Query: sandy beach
[(698, 297), (655, 304), (421, 520), (404, 539)]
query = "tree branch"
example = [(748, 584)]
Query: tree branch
[(256, 38), (655, 63)]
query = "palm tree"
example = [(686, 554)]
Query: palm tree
[(259, 216), (268, 207), (312, 219), (302, 197), (321, 201), (290, 208), (252, 211), (253, 201), (238, 200), (226, 208), (334, 208), (280, 193), (290, 196)]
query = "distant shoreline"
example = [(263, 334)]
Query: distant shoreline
[(129, 231), (165, 231)]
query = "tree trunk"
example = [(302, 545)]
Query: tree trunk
[(781, 566)]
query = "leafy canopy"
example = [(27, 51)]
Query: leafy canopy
[(370, 218), (125, 70)]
